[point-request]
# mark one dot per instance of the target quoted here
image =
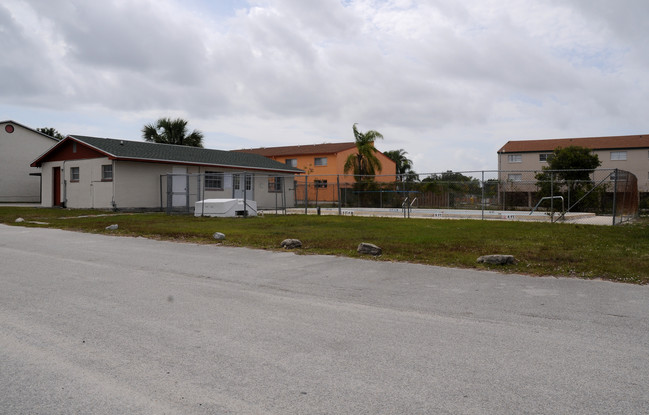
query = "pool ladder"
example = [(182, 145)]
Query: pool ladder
[(563, 208), (407, 207)]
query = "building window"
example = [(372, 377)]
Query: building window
[(514, 177), (618, 155), (107, 173), (275, 184), (213, 180), (515, 158), (9, 128), (248, 182), (74, 174), (320, 161), (291, 162), (321, 184), (545, 157)]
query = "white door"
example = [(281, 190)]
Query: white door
[(239, 186), (179, 186)]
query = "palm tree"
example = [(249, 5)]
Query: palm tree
[(404, 164), (364, 162), (168, 131)]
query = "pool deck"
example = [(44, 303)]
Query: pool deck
[(570, 217)]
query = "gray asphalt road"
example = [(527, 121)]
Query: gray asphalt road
[(95, 324)]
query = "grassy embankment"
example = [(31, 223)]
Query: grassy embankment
[(619, 253)]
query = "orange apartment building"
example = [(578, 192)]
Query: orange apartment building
[(323, 166)]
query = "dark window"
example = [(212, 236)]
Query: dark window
[(320, 161), (275, 184), (214, 180), (74, 174), (107, 172)]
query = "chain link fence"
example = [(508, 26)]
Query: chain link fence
[(602, 196), (179, 192)]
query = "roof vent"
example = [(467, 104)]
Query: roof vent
[(121, 142)]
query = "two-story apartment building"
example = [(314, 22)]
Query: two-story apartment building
[(630, 153), (324, 166)]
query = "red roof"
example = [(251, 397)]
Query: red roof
[(594, 143), (327, 148)]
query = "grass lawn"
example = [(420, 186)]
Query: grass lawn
[(617, 253)]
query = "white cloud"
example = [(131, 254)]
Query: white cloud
[(450, 82)]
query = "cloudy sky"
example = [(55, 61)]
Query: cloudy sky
[(448, 81)]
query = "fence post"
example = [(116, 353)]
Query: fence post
[(551, 197), (283, 184), (245, 192), (170, 179), (203, 194), (306, 193), (339, 201), (275, 189), (482, 197), (615, 195)]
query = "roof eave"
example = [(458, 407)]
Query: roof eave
[(198, 163)]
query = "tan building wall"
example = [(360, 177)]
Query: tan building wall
[(637, 162), (89, 191), (19, 146)]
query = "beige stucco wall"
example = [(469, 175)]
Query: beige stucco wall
[(89, 192), (637, 162), (138, 185), (17, 151)]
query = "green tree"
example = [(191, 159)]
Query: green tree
[(168, 131), (568, 172), (453, 181), (458, 187), (51, 132), (364, 163), (403, 164)]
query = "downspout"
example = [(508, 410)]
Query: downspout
[(245, 193)]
